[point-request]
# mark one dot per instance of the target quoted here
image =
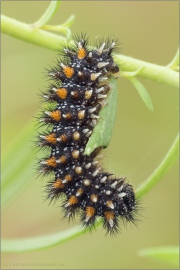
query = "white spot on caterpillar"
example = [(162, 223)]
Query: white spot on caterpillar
[(102, 64), (62, 65), (103, 179), (96, 172), (101, 96), (114, 184), (87, 166), (95, 116), (111, 222), (43, 137), (101, 48), (94, 76), (99, 90), (87, 218), (92, 110), (122, 194)]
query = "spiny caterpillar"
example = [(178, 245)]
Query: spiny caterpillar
[(81, 84)]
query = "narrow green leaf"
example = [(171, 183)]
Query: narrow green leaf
[(102, 132), (162, 254), (142, 92)]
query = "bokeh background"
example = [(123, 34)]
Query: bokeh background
[(149, 31)]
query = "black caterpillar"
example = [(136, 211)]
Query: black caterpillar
[(81, 86)]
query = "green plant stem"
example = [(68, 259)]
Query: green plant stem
[(62, 28), (14, 180), (48, 40), (159, 172), (67, 24), (150, 71), (41, 242), (26, 33), (48, 15)]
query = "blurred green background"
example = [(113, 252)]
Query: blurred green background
[(149, 31)]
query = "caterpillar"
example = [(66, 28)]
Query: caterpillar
[(78, 93)]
